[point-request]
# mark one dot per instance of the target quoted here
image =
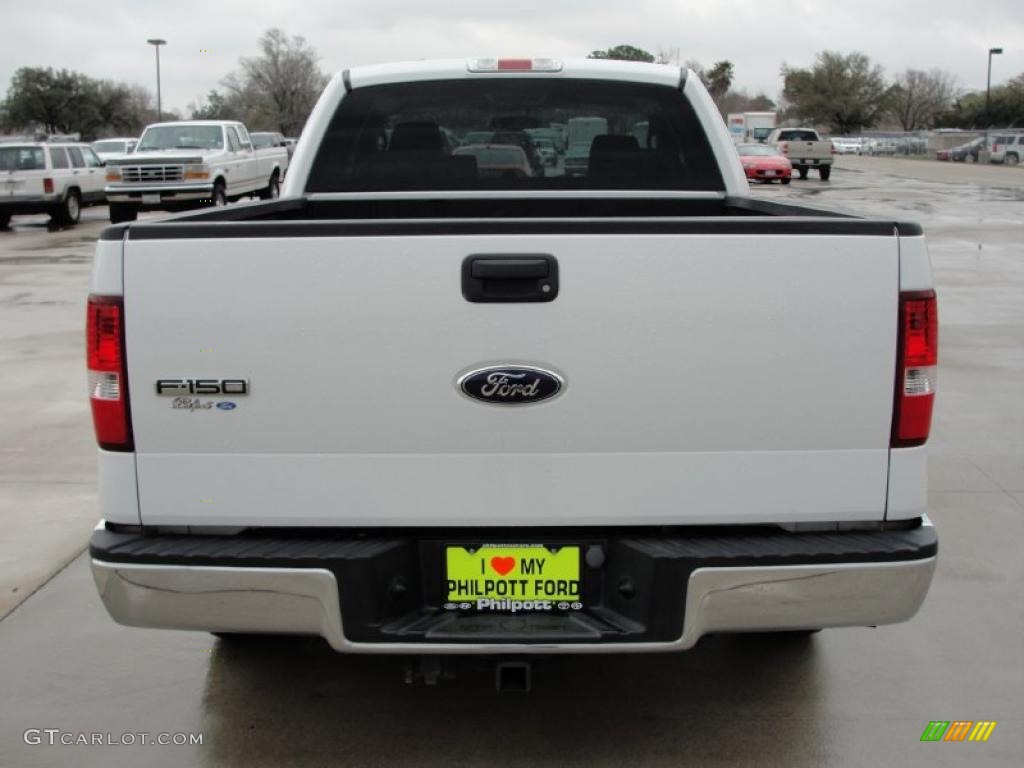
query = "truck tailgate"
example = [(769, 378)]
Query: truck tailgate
[(809, 149), (708, 379)]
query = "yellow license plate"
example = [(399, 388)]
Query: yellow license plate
[(497, 577)]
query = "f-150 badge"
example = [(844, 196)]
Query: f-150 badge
[(184, 392), (510, 384), (178, 387)]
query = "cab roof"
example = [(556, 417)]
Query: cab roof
[(452, 69), (195, 122), (16, 143)]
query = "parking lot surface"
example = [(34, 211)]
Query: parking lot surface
[(850, 697)]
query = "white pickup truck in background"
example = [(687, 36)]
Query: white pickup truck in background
[(805, 149), (416, 408), (189, 164)]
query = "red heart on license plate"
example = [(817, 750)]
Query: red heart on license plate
[(502, 565)]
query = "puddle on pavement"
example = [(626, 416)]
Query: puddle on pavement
[(67, 258)]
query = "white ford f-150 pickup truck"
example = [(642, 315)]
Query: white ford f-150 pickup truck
[(189, 164), (413, 408), (805, 149)]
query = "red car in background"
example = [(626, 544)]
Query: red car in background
[(764, 163)]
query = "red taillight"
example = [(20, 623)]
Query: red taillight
[(917, 358), (108, 382), (48, 186), (784, 147)]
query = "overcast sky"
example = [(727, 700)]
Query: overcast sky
[(107, 38)]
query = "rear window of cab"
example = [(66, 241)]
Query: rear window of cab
[(407, 136), (798, 136)]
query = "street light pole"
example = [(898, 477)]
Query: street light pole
[(988, 93), (156, 42)]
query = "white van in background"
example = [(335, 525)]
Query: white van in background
[(750, 127), (581, 134)]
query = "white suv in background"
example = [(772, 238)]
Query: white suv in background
[(55, 178), (1007, 148)]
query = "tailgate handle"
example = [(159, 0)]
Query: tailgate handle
[(510, 277), (509, 269)]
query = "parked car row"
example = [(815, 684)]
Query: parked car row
[(172, 166), (848, 145), (1003, 148), (803, 149), (868, 145)]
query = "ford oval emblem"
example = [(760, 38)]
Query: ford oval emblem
[(227, 406), (511, 384)]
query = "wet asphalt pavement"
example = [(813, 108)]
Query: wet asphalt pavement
[(851, 697)]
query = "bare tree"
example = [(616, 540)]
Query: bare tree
[(668, 56), (141, 107), (244, 99), (278, 88), (919, 97), (696, 66)]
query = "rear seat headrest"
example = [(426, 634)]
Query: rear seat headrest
[(613, 143), (421, 136)]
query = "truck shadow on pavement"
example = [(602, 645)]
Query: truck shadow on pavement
[(731, 700)]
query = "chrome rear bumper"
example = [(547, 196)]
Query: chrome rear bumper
[(306, 601)]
